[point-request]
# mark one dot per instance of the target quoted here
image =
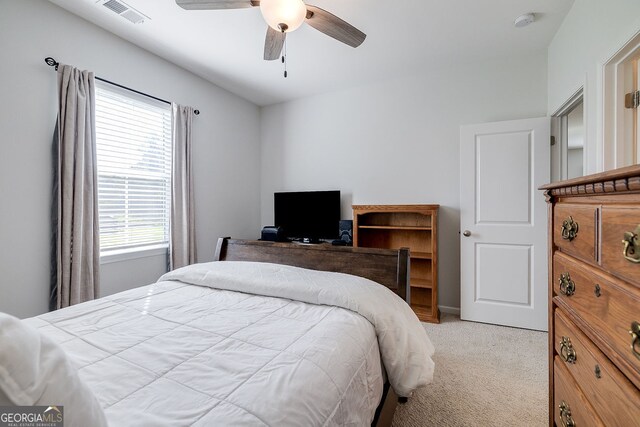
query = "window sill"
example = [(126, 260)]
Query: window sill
[(119, 255)]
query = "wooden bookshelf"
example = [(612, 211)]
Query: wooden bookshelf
[(405, 226)]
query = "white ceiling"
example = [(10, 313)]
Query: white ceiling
[(403, 36)]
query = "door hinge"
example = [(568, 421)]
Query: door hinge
[(553, 140), (632, 100)]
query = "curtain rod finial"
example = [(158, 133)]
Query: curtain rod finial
[(51, 62), (196, 112)]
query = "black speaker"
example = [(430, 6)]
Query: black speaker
[(346, 230), (271, 233)]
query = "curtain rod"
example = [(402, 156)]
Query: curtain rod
[(53, 63)]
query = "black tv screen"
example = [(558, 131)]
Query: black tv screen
[(308, 215)]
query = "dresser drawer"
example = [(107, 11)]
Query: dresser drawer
[(614, 398), (570, 405), (607, 306), (616, 221), (574, 230)]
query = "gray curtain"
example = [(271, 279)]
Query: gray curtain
[(182, 247), (77, 233)]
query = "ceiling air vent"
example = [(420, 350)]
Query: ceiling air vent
[(124, 10)]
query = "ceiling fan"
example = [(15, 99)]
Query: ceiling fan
[(284, 16)]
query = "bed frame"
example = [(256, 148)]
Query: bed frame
[(385, 266)]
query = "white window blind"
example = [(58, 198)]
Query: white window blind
[(133, 138)]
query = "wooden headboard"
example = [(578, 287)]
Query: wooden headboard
[(385, 266)]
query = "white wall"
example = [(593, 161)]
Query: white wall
[(591, 33), (397, 141), (226, 146)]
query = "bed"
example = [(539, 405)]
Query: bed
[(269, 334)]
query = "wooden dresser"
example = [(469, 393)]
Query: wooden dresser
[(594, 307)]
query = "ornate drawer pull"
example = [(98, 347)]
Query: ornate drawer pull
[(635, 339), (567, 286), (567, 352), (631, 242), (565, 415), (569, 229)]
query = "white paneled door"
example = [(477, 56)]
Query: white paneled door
[(503, 222)]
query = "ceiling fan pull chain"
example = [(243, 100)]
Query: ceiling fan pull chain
[(284, 58)]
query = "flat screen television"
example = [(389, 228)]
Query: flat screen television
[(308, 215)]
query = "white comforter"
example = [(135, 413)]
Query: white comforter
[(404, 345), (177, 354)]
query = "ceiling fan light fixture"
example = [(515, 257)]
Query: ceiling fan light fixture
[(291, 13)]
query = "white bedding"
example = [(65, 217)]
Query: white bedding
[(173, 353)]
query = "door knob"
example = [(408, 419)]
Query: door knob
[(466, 233)]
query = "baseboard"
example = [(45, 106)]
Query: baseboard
[(449, 310)]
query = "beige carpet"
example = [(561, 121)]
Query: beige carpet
[(485, 375)]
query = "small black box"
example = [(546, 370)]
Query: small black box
[(271, 233)]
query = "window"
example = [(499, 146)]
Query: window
[(133, 138)]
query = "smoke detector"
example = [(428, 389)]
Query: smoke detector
[(524, 20), (124, 10)]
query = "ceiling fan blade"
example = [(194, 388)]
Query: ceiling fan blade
[(215, 4), (273, 44), (333, 26)]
